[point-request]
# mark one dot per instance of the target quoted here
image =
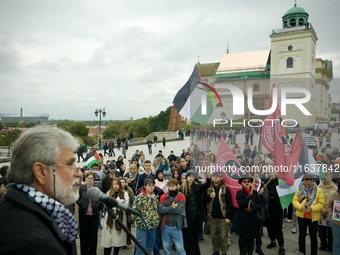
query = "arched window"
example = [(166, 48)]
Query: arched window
[(301, 22), (285, 23), (290, 62), (292, 22)]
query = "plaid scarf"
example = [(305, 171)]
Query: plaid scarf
[(58, 212)]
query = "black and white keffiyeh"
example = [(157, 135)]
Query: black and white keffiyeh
[(308, 192), (59, 213)]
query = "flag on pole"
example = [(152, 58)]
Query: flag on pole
[(192, 101), (92, 158), (303, 159), (275, 141), (227, 163), (286, 192)]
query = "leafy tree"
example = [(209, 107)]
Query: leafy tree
[(142, 128), (160, 122), (111, 132), (79, 129)]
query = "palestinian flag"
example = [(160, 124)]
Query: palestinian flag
[(286, 192), (304, 162), (193, 102), (92, 158), (303, 159)]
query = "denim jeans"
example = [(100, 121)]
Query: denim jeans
[(336, 238), (172, 234), (145, 240)]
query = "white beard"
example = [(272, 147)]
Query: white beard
[(64, 193)]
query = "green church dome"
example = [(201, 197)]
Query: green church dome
[(295, 10), (294, 17)]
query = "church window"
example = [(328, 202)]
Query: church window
[(301, 22), (256, 87), (290, 62)]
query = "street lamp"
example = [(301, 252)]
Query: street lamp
[(101, 112)]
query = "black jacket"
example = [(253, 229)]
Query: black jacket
[(27, 229), (83, 202), (247, 223), (198, 189)]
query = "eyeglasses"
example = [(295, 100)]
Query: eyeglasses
[(70, 167), (246, 181)]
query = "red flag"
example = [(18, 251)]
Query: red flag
[(275, 141), (227, 163)]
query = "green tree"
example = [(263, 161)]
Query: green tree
[(111, 132), (142, 128), (79, 129), (160, 122)]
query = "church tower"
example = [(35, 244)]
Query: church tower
[(293, 62)]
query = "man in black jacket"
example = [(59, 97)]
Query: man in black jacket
[(44, 180)]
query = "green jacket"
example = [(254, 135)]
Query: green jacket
[(147, 205)]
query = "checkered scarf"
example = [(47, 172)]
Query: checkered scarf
[(59, 213)]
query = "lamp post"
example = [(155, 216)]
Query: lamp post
[(101, 112)]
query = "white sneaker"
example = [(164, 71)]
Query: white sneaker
[(294, 230), (288, 220)]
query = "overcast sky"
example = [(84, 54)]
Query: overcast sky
[(66, 58)]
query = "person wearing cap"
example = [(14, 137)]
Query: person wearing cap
[(195, 210), (325, 232), (219, 213), (44, 179), (308, 202), (106, 182), (171, 208), (250, 204), (146, 203), (334, 197), (275, 212)]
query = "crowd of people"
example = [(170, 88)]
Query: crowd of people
[(177, 203)]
